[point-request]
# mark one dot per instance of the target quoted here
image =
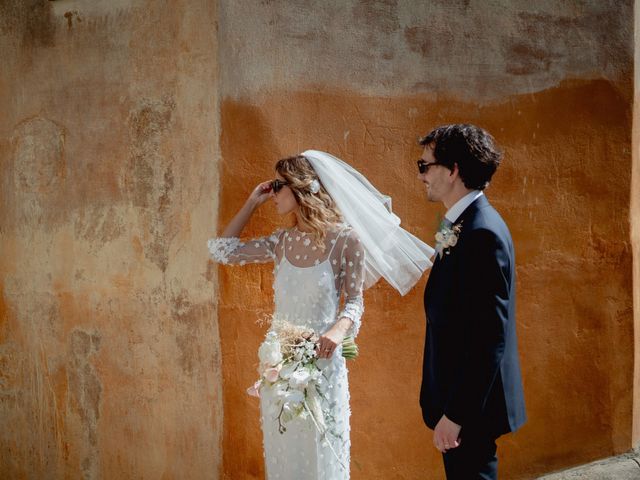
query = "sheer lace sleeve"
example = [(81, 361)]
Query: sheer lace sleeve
[(232, 251), (353, 281)]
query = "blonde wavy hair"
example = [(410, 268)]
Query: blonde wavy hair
[(318, 210)]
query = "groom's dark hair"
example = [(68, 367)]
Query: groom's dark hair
[(471, 147)]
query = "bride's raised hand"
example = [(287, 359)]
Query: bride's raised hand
[(260, 194)]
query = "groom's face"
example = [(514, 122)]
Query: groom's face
[(435, 178)]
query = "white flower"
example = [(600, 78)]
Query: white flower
[(288, 369), (446, 238), (315, 407), (314, 187), (271, 374), (306, 242), (269, 352), (292, 396), (300, 379)]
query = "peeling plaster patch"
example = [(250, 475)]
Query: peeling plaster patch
[(378, 15), (149, 121), (85, 391), (150, 180), (11, 363), (418, 39), (38, 146), (99, 224), (189, 317)]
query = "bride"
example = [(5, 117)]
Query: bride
[(345, 237)]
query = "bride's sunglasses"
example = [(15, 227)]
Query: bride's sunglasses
[(276, 185)]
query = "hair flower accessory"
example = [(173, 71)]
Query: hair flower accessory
[(447, 237), (314, 187)]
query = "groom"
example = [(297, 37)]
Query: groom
[(471, 386)]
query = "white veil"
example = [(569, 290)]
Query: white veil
[(390, 251)]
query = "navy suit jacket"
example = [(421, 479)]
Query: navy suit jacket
[(471, 369)]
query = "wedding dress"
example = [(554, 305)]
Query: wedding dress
[(308, 281)]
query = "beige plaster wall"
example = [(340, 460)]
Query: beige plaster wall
[(109, 352)]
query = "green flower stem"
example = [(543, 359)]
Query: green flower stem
[(349, 348)]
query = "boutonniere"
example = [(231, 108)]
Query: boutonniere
[(447, 237)]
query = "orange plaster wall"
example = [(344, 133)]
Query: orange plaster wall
[(564, 191)]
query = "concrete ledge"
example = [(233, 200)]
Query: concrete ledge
[(622, 467)]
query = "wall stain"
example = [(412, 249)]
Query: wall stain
[(69, 16), (102, 224), (378, 15), (418, 39), (85, 392), (149, 180), (191, 318), (39, 170)]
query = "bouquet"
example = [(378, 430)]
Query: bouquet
[(289, 363)]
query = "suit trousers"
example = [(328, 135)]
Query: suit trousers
[(474, 459)]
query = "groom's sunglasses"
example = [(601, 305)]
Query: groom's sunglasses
[(424, 167), (276, 185)]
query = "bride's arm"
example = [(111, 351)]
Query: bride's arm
[(352, 272), (259, 195), (228, 249)]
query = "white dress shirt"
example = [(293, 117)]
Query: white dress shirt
[(461, 205)]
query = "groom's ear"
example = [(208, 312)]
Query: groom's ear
[(455, 171)]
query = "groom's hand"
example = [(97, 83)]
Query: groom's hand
[(446, 434)]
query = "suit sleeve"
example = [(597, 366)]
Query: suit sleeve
[(483, 311)]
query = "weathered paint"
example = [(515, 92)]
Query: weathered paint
[(476, 50), (362, 79), (568, 213), (109, 352)]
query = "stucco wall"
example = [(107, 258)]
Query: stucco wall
[(110, 356), (553, 82), (109, 352)]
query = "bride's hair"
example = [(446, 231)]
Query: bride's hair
[(318, 210)]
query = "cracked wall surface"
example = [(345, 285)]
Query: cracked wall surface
[(363, 79), (117, 335), (109, 351)]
